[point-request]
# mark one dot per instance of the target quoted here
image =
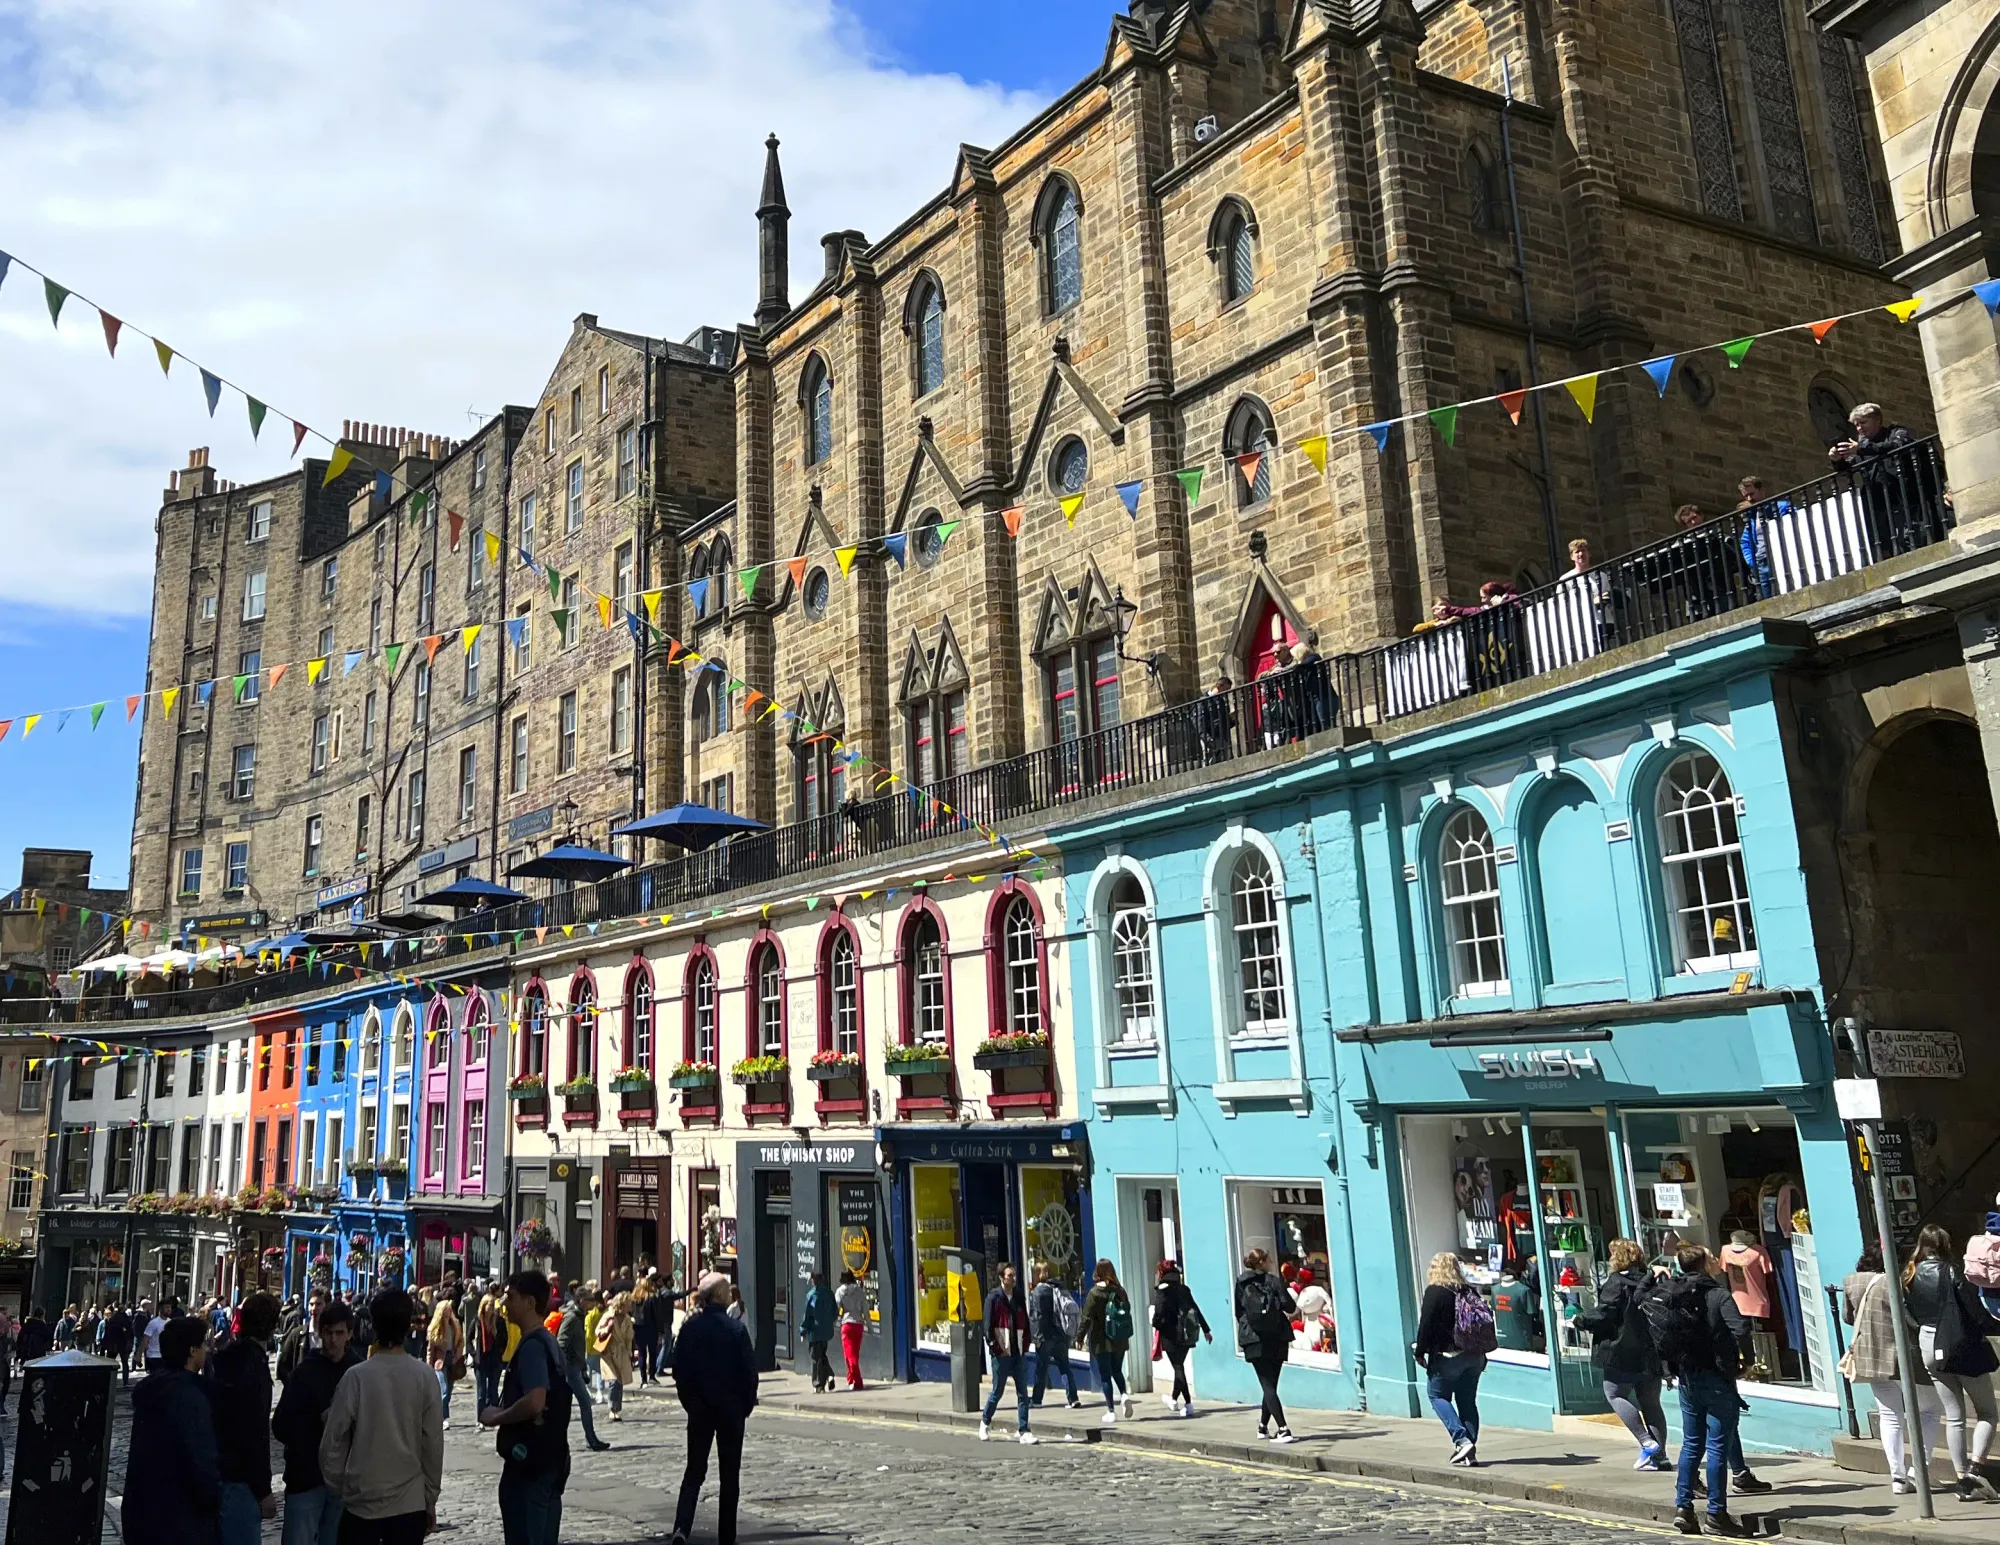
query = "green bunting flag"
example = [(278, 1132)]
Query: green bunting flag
[(96, 713), (749, 578), (257, 411), (1190, 480), (1736, 349), (561, 616), (944, 531), (392, 653), (555, 584), (1446, 420), (55, 294), (241, 683)]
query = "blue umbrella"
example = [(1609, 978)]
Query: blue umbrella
[(468, 893), (571, 861), (690, 826)]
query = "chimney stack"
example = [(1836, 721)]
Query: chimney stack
[(773, 242)]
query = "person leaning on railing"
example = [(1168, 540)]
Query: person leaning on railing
[(1493, 655), (1882, 483)]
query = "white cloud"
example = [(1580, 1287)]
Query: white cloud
[(390, 210)]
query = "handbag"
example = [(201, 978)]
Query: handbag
[(1847, 1364)]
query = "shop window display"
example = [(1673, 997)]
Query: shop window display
[(1289, 1221), (1052, 1221), (934, 1201)]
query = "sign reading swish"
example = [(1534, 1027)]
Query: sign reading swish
[(1540, 1063)]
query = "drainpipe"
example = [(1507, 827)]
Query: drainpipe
[(1546, 481)]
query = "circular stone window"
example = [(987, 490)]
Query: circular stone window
[(1069, 468), (1696, 385), (930, 544), (818, 590)]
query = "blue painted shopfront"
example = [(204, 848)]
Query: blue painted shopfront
[(1511, 986)]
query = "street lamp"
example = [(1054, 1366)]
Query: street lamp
[(566, 813), (1123, 614)]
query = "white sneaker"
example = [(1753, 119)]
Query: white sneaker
[(1110, 1419), (985, 1432), (1461, 1451), (1902, 1485), (1283, 1435), (1029, 1437), (1170, 1402)]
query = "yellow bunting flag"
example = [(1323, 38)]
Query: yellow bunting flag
[(469, 636), (1584, 390), (314, 668), (1071, 503), (569, 930), (845, 557), (341, 459), (604, 611), (167, 699), (1903, 310), (1315, 448), (651, 600), (28, 725), (492, 547)]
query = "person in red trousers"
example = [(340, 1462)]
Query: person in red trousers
[(852, 1299)]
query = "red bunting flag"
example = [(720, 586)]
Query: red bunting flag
[(298, 436), (1821, 329), (431, 647), (1011, 518), (675, 646), (1512, 401), (111, 327), (457, 523), (132, 706)]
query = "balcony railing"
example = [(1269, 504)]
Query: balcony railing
[(1833, 526)]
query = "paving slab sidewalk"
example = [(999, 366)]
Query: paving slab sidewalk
[(1814, 1500)]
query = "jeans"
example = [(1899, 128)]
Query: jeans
[(614, 1394), (1453, 1387), (398, 1529), (312, 1517), (1053, 1354), (488, 1377), (850, 1346), (1708, 1422), (645, 1348), (727, 1436), (1636, 1399), (822, 1369), (1005, 1368), (531, 1505), (242, 1524), (444, 1391), (1110, 1371), (581, 1392), (1889, 1401), (1272, 1411)]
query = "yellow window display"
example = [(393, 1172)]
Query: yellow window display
[(934, 1201), (1052, 1220)]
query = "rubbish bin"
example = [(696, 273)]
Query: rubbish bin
[(965, 1310), (63, 1451)]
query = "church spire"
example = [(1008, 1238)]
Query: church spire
[(773, 242)]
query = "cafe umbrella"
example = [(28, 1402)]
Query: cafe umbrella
[(689, 826)]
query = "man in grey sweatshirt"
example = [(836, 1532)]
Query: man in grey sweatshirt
[(383, 1449)]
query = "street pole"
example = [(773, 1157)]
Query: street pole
[(1551, 535), (1868, 1119)]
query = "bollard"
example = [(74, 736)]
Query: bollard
[(63, 1451)]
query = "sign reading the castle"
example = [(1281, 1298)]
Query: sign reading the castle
[(1916, 1054)]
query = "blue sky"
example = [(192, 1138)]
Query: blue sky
[(197, 169)]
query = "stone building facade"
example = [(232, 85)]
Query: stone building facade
[(1253, 225)]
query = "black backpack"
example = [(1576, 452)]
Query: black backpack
[(1262, 1313), (543, 1443), (1676, 1317)]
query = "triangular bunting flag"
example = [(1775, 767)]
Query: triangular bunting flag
[(469, 636), (454, 524), (132, 706), (561, 616), (1735, 349), (341, 459), (241, 683), (96, 713), (211, 388), (392, 653), (277, 673), (165, 356), (385, 490), (55, 295), (555, 584), (28, 725), (298, 436), (111, 329), (349, 661), (314, 670), (651, 601), (635, 627), (1584, 390), (751, 698), (1512, 401), (431, 642), (203, 691), (1130, 492), (1988, 291), (1190, 480), (492, 547), (257, 411), (1011, 518), (796, 567), (844, 556), (944, 532), (517, 631), (1315, 448), (63, 718), (6, 263), (1248, 464), (1446, 421), (604, 611), (1380, 434), (167, 697), (1071, 503), (749, 577), (1903, 310), (698, 595), (897, 546), (1661, 370)]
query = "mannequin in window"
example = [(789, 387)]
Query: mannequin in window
[(1777, 1200), (1749, 1270)]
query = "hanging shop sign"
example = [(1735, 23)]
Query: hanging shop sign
[(1916, 1054), (533, 824), (451, 853), (225, 922), (344, 890)]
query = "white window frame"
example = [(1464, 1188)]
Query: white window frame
[(403, 1041), (1677, 869), (254, 592), (371, 1043), (1456, 909), (1156, 1094), (573, 497), (1024, 997), (260, 520), (1225, 986)]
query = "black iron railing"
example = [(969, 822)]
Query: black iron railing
[(1833, 526)]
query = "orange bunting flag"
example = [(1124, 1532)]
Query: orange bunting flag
[(1821, 329), (751, 698), (845, 557), (278, 673), (1512, 401), (604, 611), (1071, 503), (1011, 518), (431, 646), (1315, 448), (132, 706), (796, 567), (1584, 390), (1247, 464), (674, 648)]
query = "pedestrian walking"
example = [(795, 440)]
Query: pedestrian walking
[(646, 1329), (532, 1420), (821, 1318), (1696, 1329), (1008, 1338), (313, 1508), (593, 1312), (444, 1350), (1952, 1327), (1056, 1320), (1622, 1351), (853, 1301), (173, 1471), (35, 1338), (1107, 1327), (494, 1337), (715, 1375), (1871, 1360), (1264, 1308), (1455, 1331), (613, 1346), (1177, 1323), (240, 1384), (382, 1452), (8, 1331), (149, 1338), (66, 1328), (573, 1339)]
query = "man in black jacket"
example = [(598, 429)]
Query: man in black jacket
[(1697, 1331), (715, 1375), (173, 1485), (312, 1511), (36, 1337), (242, 1394)]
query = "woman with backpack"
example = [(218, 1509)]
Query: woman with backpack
[(1107, 1324), (1871, 1360), (1454, 1334), (1982, 1261), (1177, 1322), (1264, 1309), (1622, 1350), (1952, 1327)]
